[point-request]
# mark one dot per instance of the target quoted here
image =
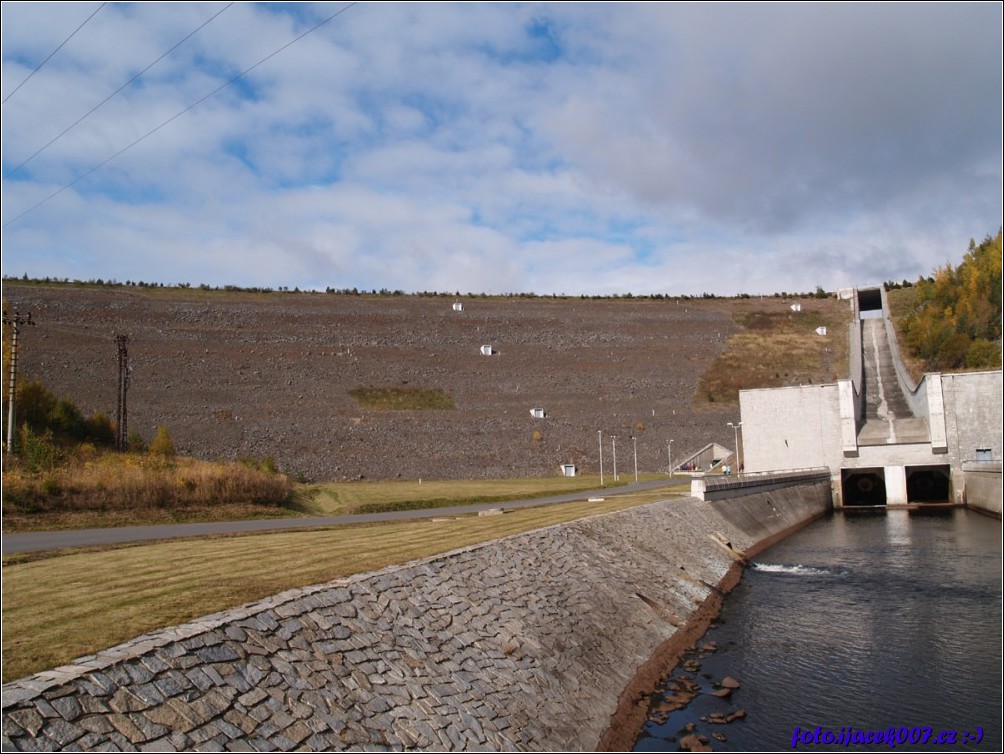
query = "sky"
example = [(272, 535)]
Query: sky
[(549, 148)]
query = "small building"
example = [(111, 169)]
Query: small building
[(821, 330), (458, 307), (705, 459), (538, 413), (796, 307), (487, 350), (568, 469)]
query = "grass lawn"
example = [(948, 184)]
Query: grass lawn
[(340, 498), (59, 606)]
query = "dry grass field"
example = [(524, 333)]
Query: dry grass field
[(779, 348), (91, 488)]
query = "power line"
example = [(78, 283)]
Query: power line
[(173, 118), (54, 52), (130, 81)]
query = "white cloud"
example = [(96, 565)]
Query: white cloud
[(596, 148)]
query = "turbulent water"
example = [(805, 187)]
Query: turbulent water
[(875, 630)]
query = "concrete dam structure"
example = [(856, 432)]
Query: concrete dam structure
[(884, 439), (539, 641)]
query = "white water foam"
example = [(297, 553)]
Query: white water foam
[(797, 570)]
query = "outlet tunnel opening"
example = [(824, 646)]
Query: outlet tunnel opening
[(869, 300), (928, 484), (863, 486)]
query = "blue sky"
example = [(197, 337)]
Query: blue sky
[(550, 148)]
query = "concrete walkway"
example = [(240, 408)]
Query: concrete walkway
[(54, 540)]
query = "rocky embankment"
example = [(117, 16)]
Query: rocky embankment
[(242, 374)]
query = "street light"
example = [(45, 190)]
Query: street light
[(600, 433), (735, 428), (635, 439), (669, 455), (613, 439)]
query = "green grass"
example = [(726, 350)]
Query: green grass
[(401, 398), (63, 605), (341, 498)]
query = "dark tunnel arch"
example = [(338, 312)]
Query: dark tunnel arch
[(869, 299), (928, 484), (863, 486)]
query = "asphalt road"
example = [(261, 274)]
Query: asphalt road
[(54, 540)]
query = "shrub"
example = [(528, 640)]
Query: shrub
[(39, 452), (100, 429), (65, 419), (983, 354), (51, 486), (34, 405), (162, 444)]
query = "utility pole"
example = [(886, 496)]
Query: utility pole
[(16, 323), (669, 454), (122, 437)]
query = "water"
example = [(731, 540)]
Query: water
[(861, 622)]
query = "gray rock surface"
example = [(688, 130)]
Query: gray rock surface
[(240, 374)]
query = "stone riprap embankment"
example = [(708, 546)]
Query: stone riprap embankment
[(525, 643), (234, 375)]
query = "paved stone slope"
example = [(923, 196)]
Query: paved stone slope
[(524, 643)]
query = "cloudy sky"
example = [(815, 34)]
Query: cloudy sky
[(551, 148)]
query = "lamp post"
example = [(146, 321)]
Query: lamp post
[(669, 456), (600, 433), (613, 439), (635, 441), (735, 428)]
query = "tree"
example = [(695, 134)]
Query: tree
[(955, 321)]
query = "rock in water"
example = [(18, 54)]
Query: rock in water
[(739, 714), (693, 743)]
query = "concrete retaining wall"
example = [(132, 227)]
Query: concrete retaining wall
[(791, 428), (730, 487), (983, 486), (524, 643)]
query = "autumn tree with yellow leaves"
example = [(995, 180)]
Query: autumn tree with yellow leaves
[(955, 318)]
